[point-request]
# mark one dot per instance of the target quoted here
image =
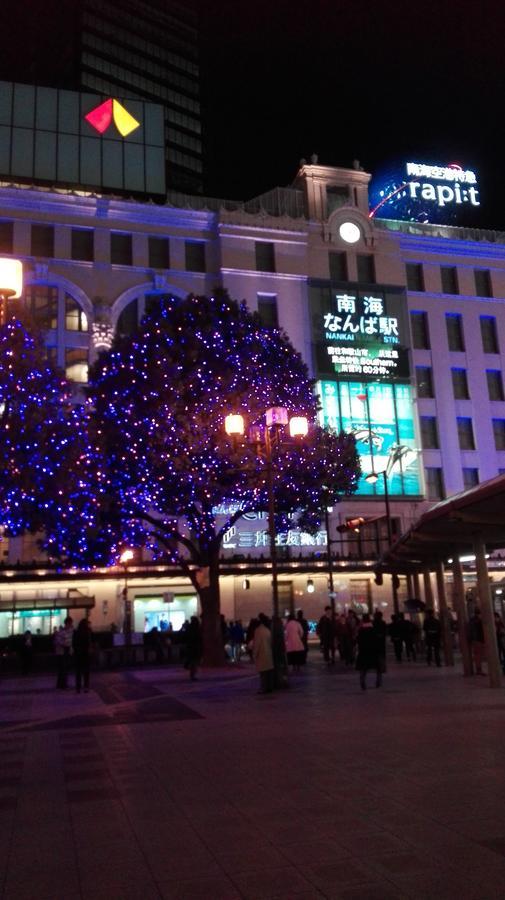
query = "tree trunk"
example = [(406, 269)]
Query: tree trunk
[(213, 645)]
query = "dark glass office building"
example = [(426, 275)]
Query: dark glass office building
[(141, 49)]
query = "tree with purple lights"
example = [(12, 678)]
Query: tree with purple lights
[(42, 445), (159, 402)]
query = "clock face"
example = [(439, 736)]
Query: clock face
[(349, 232)]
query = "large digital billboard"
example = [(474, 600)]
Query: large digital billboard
[(425, 192), (360, 332), (58, 137), (381, 418), (360, 342)]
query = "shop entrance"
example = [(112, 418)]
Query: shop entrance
[(156, 611), (38, 621)]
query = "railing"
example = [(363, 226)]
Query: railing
[(450, 232)]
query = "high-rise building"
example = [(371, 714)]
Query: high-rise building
[(141, 49)]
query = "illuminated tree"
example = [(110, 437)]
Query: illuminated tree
[(42, 445), (159, 401)]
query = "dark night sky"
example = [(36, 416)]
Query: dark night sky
[(378, 82)]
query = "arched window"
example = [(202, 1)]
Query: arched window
[(66, 328), (132, 314)]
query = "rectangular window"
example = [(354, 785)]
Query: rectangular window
[(470, 478), (43, 240), (195, 256), (335, 197), (338, 266), (449, 278), (460, 384), (265, 256), (435, 489), (415, 276), (489, 334), (494, 384), (499, 433), (82, 242), (120, 248), (42, 303), (429, 433), (420, 333), (424, 379), (75, 317), (465, 433), (6, 237), (159, 252), (76, 364), (483, 286), (455, 338), (267, 310), (366, 268)]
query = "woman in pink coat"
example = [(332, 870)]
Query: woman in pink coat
[(293, 636)]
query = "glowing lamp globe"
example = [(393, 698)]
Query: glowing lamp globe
[(126, 556), (298, 426), (11, 278), (276, 415), (234, 424)]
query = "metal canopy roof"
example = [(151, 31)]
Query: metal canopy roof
[(452, 526)]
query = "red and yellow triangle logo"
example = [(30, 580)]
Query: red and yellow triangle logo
[(101, 117)]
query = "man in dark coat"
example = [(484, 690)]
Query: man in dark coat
[(326, 631), (432, 633), (193, 638), (396, 633), (368, 654), (476, 640), (381, 631)]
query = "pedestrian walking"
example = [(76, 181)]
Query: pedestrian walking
[(476, 640), (368, 652), (500, 638), (326, 633), (381, 631), (81, 645), (352, 627), (432, 634), (396, 633), (262, 654), (26, 652), (409, 637), (63, 651), (237, 637), (305, 628), (293, 636), (193, 654)]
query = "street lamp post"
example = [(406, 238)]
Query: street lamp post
[(372, 478), (329, 542), (124, 559), (276, 419), (11, 282)]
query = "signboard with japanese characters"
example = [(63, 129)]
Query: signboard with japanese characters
[(360, 333)]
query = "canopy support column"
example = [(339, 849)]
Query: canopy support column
[(417, 585), (460, 605), (486, 608), (444, 615), (410, 587), (428, 590)]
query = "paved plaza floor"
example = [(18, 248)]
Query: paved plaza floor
[(151, 786)]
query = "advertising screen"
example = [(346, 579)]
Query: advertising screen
[(424, 192), (360, 333), (381, 418)]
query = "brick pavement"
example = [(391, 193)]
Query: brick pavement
[(153, 787)]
